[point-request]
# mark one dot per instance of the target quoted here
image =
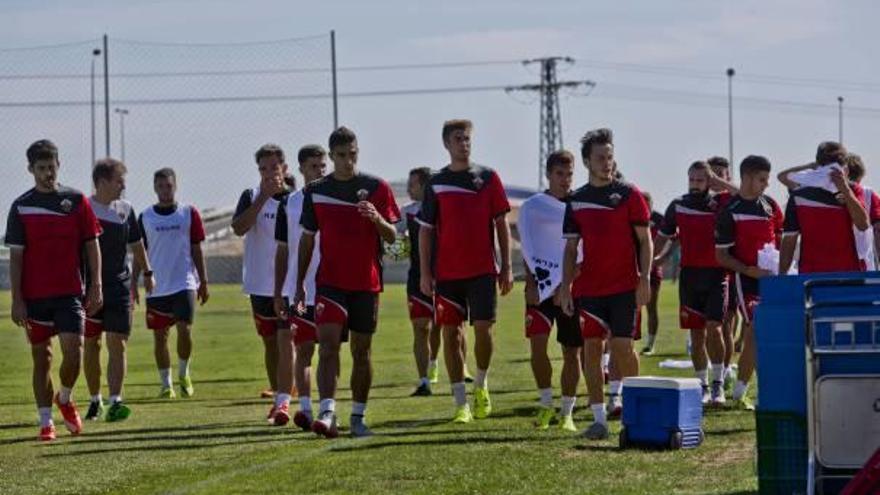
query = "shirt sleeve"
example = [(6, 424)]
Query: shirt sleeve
[(778, 223), (89, 227), (385, 203), (142, 230), (244, 202), (15, 235), (498, 198), (570, 227), (637, 208), (308, 219), (725, 234), (281, 221), (134, 229), (791, 226), (428, 213), (196, 227), (669, 228), (874, 214)]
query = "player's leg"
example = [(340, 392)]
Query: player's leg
[(69, 321), (304, 337), (184, 312), (39, 330), (700, 359), (731, 323), (747, 296), (160, 319), (715, 313), (92, 365), (482, 300), (281, 342), (331, 317), (450, 306), (363, 316), (538, 327), (623, 318), (594, 327), (421, 312), (266, 323), (568, 334), (117, 321), (435, 337), (653, 317)]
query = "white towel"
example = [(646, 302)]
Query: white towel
[(816, 177), (540, 232), (768, 259)]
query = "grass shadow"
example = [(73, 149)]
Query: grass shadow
[(377, 442), (164, 448)]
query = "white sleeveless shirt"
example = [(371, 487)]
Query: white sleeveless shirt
[(169, 250), (258, 264), (293, 212)]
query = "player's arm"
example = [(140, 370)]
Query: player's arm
[(141, 263), (247, 211), (386, 230), (790, 184), (719, 183), (786, 251), (19, 308), (199, 260), (426, 244), (505, 278), (646, 258), (856, 211), (663, 248), (304, 259), (531, 291), (569, 271), (94, 292), (281, 256)]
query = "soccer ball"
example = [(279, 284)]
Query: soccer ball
[(399, 250)]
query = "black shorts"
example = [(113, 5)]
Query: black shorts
[(265, 319), (473, 299), (114, 317), (540, 320), (357, 311), (53, 315), (614, 314), (165, 311), (747, 295), (702, 294)]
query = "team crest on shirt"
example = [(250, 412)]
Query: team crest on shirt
[(478, 183), (362, 194), (615, 199), (66, 205)]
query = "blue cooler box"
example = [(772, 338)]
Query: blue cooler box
[(662, 412)]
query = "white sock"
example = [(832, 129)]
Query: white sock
[(115, 398), (358, 408), (424, 381), (717, 372), (432, 364), (615, 387), (183, 368), (305, 404), (567, 405), (480, 379), (282, 399), (64, 394), (703, 375), (45, 414), (327, 405), (739, 391), (651, 338), (165, 377), (459, 393), (546, 395), (97, 397), (606, 359), (728, 371), (599, 413)]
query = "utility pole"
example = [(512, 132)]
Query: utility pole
[(840, 119), (550, 132), (122, 112), (730, 73)]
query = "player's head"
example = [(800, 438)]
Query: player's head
[(457, 139), (754, 172), (720, 167), (597, 151), (43, 163), (165, 184), (270, 161), (698, 177), (559, 170), (415, 184), (108, 176), (830, 152), (855, 167), (312, 162), (648, 199), (343, 150)]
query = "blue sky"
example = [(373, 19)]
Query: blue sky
[(659, 68)]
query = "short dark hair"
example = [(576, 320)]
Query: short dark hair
[(855, 167), (559, 157), (290, 180), (830, 152), (269, 150), (164, 173), (453, 125), (596, 136), (699, 165), (754, 164), (106, 168), (423, 173), (341, 137), (42, 150), (718, 161), (310, 151)]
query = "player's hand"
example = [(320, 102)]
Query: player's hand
[(426, 284), (19, 312), (563, 300), (271, 186), (299, 300), (135, 294), (643, 291), (203, 294), (505, 280), (839, 180), (94, 299), (755, 272), (149, 284), (280, 307), (533, 298), (368, 210)]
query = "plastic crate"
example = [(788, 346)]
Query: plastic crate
[(782, 452)]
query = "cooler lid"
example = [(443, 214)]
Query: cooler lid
[(662, 382)]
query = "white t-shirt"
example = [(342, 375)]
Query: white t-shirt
[(258, 264)]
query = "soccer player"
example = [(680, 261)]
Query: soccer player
[(296, 340), (173, 234), (611, 218), (254, 218), (464, 207), (540, 222), (656, 277), (703, 286), (426, 334), (751, 220), (47, 230), (824, 219), (354, 213), (120, 232)]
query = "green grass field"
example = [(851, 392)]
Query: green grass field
[(218, 441)]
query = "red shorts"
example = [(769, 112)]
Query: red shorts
[(420, 306), (303, 326)]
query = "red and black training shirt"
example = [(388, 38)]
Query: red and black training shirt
[(746, 225)]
